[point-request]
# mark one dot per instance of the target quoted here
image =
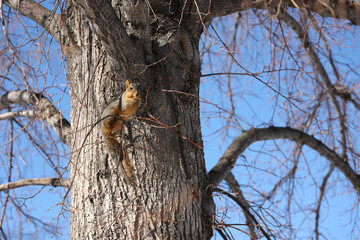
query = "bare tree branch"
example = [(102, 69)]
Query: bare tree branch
[(55, 182), (339, 9), (235, 188), (330, 89), (46, 110), (7, 195), (39, 148), (244, 208), (41, 15), (239, 145), (11, 115), (321, 197)]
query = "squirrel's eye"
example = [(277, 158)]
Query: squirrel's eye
[(130, 88)]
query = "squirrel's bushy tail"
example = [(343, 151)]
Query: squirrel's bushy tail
[(120, 158)]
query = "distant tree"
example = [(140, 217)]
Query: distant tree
[(313, 99)]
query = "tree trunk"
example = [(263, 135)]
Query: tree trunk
[(170, 199)]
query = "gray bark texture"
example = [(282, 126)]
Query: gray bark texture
[(107, 44)]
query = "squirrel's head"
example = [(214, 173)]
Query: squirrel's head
[(131, 92), (131, 89)]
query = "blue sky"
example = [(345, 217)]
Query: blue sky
[(256, 104)]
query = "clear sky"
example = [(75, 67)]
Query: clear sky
[(257, 104)]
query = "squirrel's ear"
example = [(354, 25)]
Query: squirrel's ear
[(127, 84)]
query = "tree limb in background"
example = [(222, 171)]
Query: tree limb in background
[(318, 205), (12, 115), (244, 208), (39, 148), (7, 195), (339, 9), (55, 182), (46, 110), (41, 15), (240, 144), (235, 188), (330, 89)]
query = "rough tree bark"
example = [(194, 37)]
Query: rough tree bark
[(105, 43), (171, 200)]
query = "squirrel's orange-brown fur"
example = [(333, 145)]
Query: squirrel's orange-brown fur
[(114, 117)]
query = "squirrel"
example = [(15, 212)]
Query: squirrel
[(113, 118)]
